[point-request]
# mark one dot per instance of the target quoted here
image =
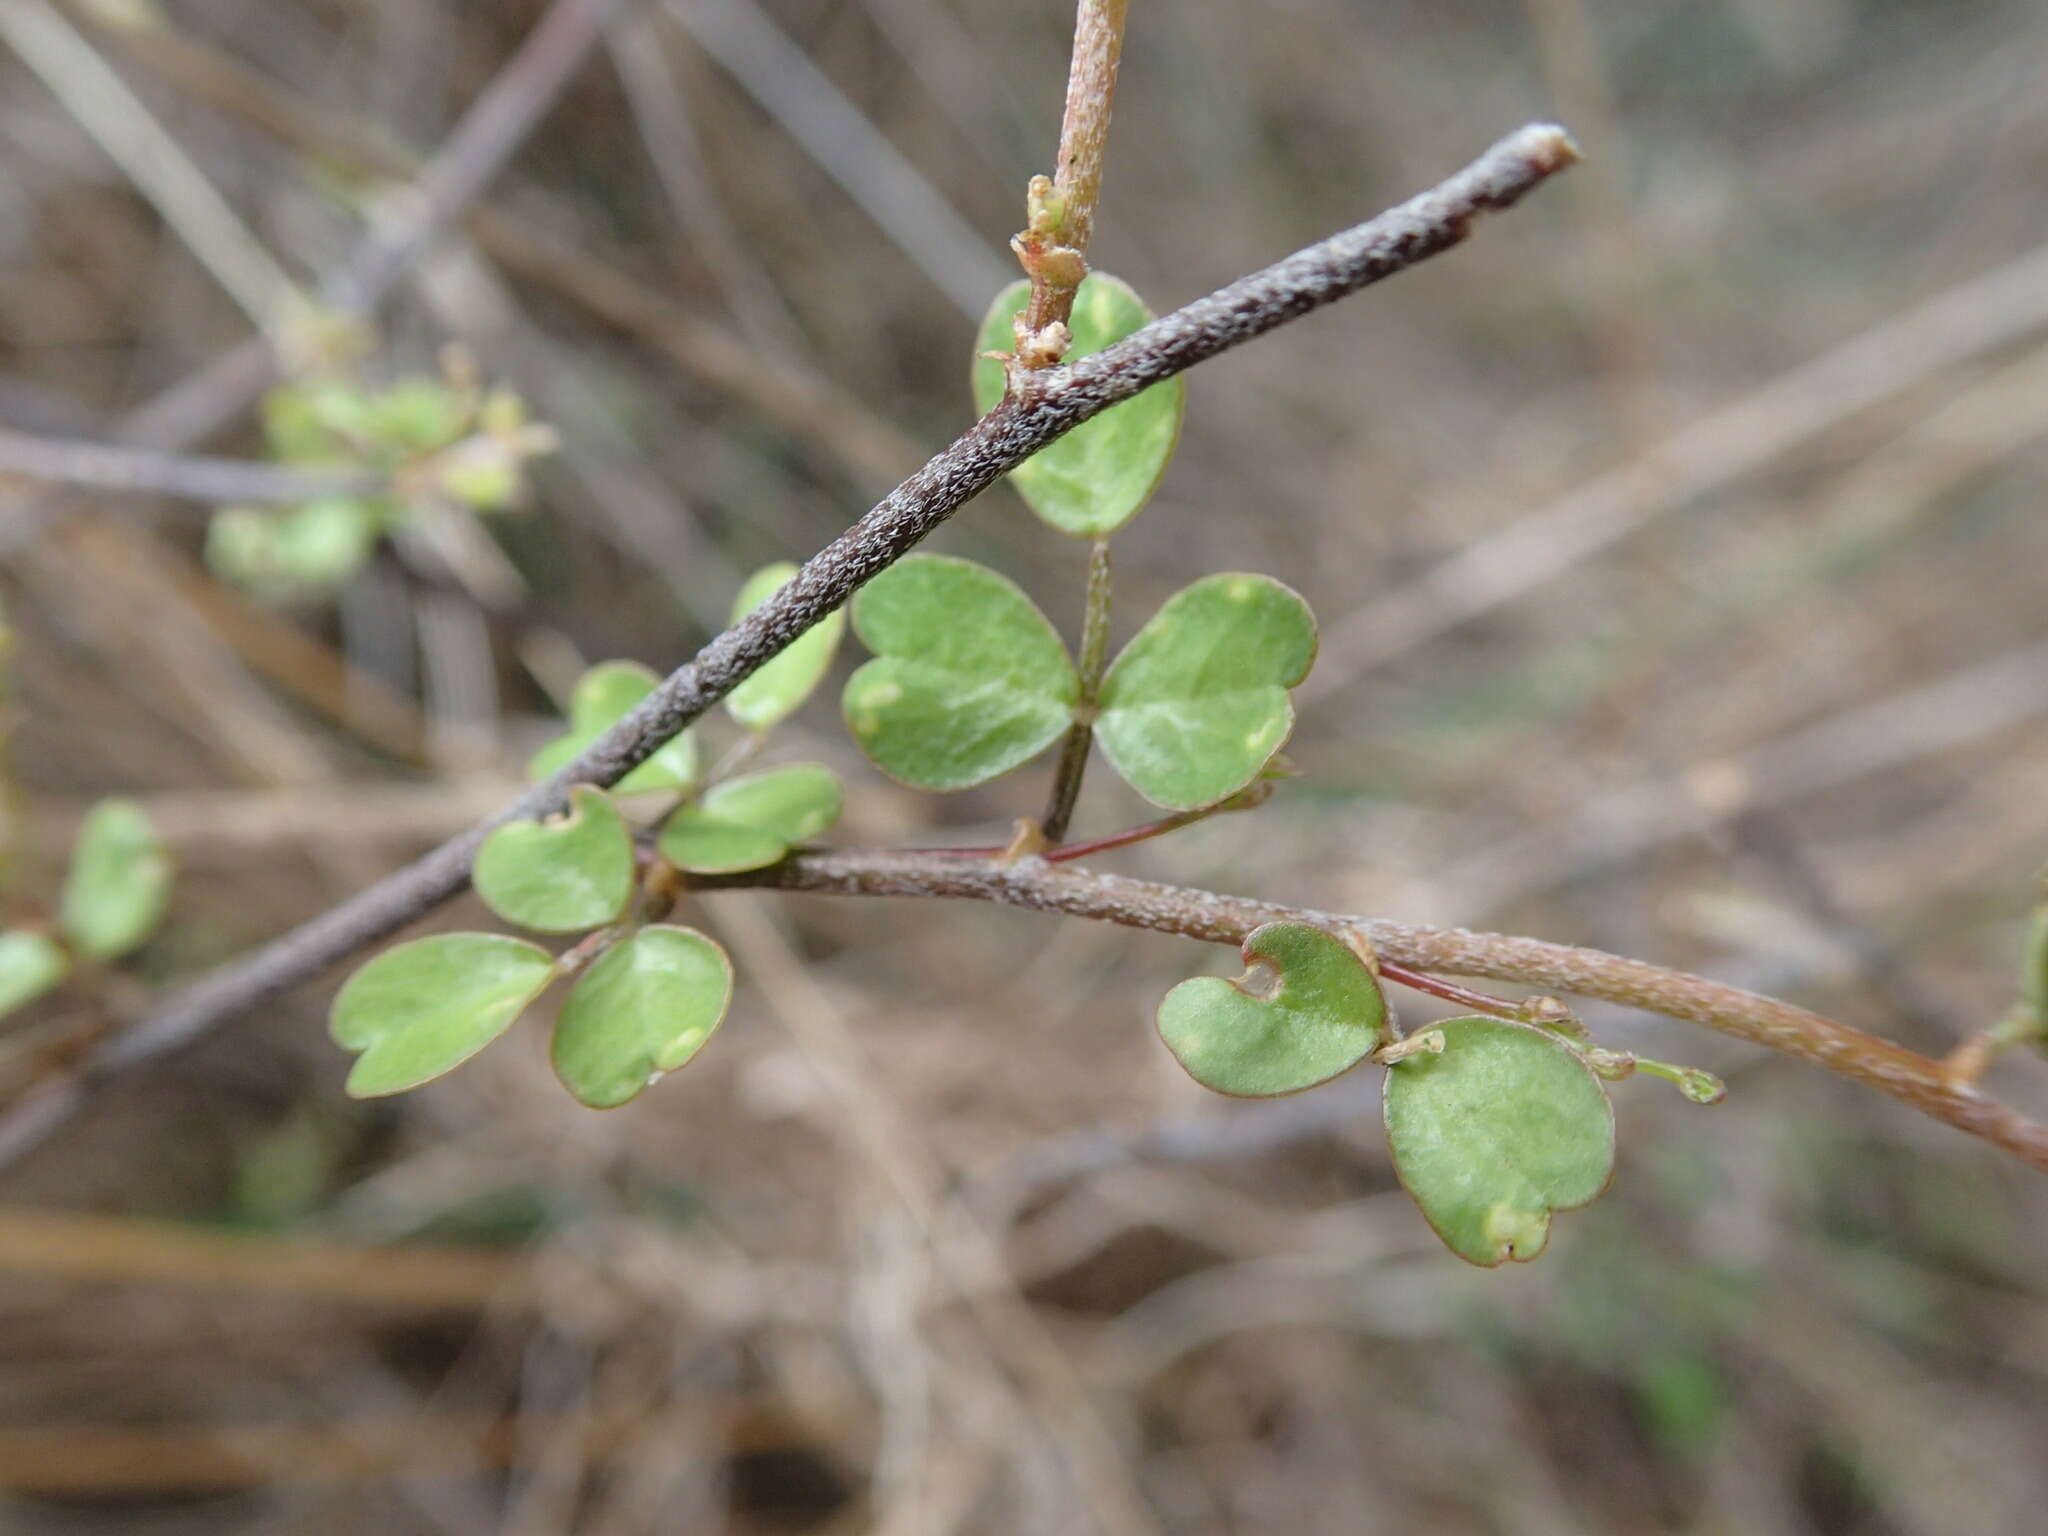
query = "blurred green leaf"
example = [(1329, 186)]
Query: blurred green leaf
[(750, 822), (295, 430), (282, 1176), (30, 965), (1092, 481), (1504, 1127), (970, 680), (1683, 1399), (119, 883), (772, 694), (2034, 967), (296, 551), (482, 473), (417, 415), (1306, 1010), (644, 1008), (1196, 704), (420, 1010), (562, 875), (605, 695)]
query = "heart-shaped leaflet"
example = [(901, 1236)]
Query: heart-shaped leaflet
[(1506, 1125), (1306, 1010)]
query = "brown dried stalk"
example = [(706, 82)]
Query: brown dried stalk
[(1044, 886)]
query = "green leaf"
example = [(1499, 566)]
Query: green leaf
[(646, 1007), (2034, 967), (772, 694), (119, 883), (1306, 1010), (302, 550), (604, 696), (969, 680), (422, 1009), (1092, 481), (294, 427), (30, 965), (1505, 1126), (749, 823), (416, 415), (1196, 705), (562, 875)]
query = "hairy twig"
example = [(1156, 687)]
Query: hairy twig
[(1056, 402), (1054, 248), (1075, 891)]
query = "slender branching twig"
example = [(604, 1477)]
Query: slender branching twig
[(1054, 246), (1055, 402), (113, 467), (1075, 891)]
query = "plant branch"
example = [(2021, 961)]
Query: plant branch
[(152, 159), (1055, 402), (1054, 245), (530, 249), (1066, 786), (1074, 891), (115, 467)]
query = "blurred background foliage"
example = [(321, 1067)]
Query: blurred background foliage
[(935, 1236)]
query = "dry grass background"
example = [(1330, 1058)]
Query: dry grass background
[(936, 1237)]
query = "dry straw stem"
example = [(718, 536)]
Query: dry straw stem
[(1056, 401), (1039, 886), (1947, 330), (115, 467), (530, 250)]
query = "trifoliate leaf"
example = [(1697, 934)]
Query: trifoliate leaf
[(1092, 481), (420, 1010), (1503, 1127), (1306, 1010), (561, 875), (30, 965), (119, 882), (750, 822), (970, 680), (604, 696), (772, 694), (646, 1007), (1197, 703)]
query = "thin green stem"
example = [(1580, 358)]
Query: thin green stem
[(1066, 785)]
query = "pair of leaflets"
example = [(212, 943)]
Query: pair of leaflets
[(970, 680), (114, 896), (1490, 1133)]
